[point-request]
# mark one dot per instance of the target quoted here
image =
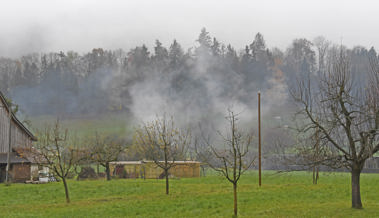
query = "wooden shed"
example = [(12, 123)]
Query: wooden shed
[(149, 170), (20, 137)]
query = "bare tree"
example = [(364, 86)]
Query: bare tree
[(82, 157), (105, 149), (58, 151), (322, 46), (306, 154), (164, 143), (233, 158), (346, 115)]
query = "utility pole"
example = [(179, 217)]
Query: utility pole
[(259, 135)]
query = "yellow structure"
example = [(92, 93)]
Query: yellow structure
[(149, 170)]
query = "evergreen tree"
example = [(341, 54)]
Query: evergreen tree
[(215, 47), (205, 43), (160, 57), (258, 47), (372, 53), (300, 57), (231, 58), (175, 55)]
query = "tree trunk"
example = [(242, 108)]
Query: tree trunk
[(166, 175), (315, 175), (235, 198), (355, 188), (66, 190), (144, 173), (108, 171)]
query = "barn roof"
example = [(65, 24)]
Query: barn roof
[(30, 154), (13, 158), (14, 118)]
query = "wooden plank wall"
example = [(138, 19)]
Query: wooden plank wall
[(19, 138), (4, 128), (151, 171)]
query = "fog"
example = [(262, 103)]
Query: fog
[(95, 59), (46, 26)]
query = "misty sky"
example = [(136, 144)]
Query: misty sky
[(52, 25)]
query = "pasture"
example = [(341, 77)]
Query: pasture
[(110, 124), (281, 195)]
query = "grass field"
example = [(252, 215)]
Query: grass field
[(282, 195), (112, 123)]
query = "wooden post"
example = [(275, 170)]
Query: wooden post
[(316, 157), (259, 135), (317, 151), (9, 145)]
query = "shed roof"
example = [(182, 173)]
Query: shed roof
[(126, 162), (177, 161), (150, 161), (30, 154), (13, 158)]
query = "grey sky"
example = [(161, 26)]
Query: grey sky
[(52, 25)]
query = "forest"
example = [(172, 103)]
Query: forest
[(189, 83)]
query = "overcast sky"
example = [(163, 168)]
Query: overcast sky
[(52, 25)]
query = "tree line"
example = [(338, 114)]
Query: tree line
[(106, 80)]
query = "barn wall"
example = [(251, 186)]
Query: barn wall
[(151, 171), (181, 170), (20, 172), (186, 170), (4, 128), (131, 170), (19, 138)]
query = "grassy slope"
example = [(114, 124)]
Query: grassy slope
[(112, 123), (288, 195)]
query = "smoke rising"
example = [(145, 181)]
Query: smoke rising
[(195, 87)]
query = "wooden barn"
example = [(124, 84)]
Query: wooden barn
[(17, 139), (149, 170)]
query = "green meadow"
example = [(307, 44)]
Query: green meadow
[(82, 126), (281, 195)]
